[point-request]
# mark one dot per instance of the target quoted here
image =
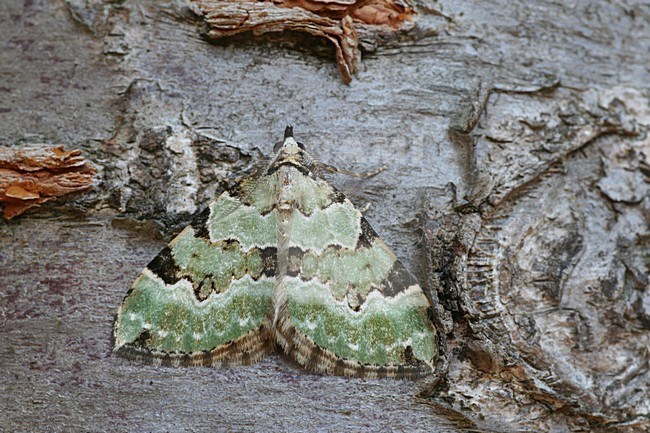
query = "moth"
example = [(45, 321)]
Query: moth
[(282, 260)]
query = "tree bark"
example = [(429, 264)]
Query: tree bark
[(514, 137)]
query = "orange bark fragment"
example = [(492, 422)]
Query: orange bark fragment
[(335, 20), (29, 177), (16, 191)]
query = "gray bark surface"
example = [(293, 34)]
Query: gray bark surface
[(514, 136)]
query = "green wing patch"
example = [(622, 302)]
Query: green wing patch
[(200, 301), (382, 337)]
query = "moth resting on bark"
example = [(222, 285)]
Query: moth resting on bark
[(282, 259)]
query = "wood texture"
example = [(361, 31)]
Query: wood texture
[(336, 21), (515, 143), (29, 177)]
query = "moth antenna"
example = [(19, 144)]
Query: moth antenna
[(288, 132)]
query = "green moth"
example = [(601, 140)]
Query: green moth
[(281, 260)]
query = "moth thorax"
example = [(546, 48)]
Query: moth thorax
[(291, 146), (286, 200), (287, 195)]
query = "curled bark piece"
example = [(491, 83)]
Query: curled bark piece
[(331, 19), (29, 177)]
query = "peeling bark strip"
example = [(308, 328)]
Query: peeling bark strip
[(334, 20), (29, 177)]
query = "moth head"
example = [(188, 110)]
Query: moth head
[(289, 145)]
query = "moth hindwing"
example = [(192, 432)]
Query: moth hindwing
[(282, 259)]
